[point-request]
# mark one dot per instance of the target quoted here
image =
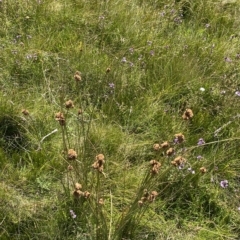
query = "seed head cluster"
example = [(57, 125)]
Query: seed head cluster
[(60, 118), (178, 161), (147, 197), (72, 155), (155, 166), (188, 114), (77, 193), (69, 104), (98, 164), (77, 76)]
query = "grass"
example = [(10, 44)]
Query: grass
[(142, 64)]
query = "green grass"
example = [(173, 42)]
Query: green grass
[(142, 64)]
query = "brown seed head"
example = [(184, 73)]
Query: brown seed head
[(170, 151), (77, 76), (188, 114), (179, 137), (165, 144), (100, 201), (60, 118), (100, 157), (156, 147), (152, 196), (72, 155), (178, 161), (78, 193), (69, 104), (108, 70), (70, 167), (140, 203), (203, 170), (78, 186), (87, 194), (80, 111), (25, 112), (155, 166)]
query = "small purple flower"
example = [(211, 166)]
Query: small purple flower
[(224, 183), (152, 53), (140, 58), (131, 50), (72, 213), (111, 85), (199, 157), (237, 93), (181, 166), (200, 142), (207, 25), (131, 64), (228, 59), (162, 14), (124, 60)]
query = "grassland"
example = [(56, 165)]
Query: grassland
[(120, 119)]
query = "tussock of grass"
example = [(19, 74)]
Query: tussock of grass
[(140, 67)]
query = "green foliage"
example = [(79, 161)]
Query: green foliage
[(142, 64)]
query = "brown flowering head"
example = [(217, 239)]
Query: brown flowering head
[(170, 151), (165, 144), (152, 196), (203, 170), (69, 104), (72, 155), (100, 158), (178, 161), (77, 76), (86, 194), (144, 199), (25, 112), (70, 168), (140, 203), (78, 186), (60, 118), (188, 114), (100, 201), (77, 193), (98, 164), (156, 147), (108, 70), (179, 138), (155, 166), (80, 111)]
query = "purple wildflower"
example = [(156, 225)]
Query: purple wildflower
[(200, 142), (131, 64), (224, 183), (111, 85), (152, 53), (72, 213), (199, 157), (237, 93), (207, 25), (124, 60), (228, 59), (131, 50)]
